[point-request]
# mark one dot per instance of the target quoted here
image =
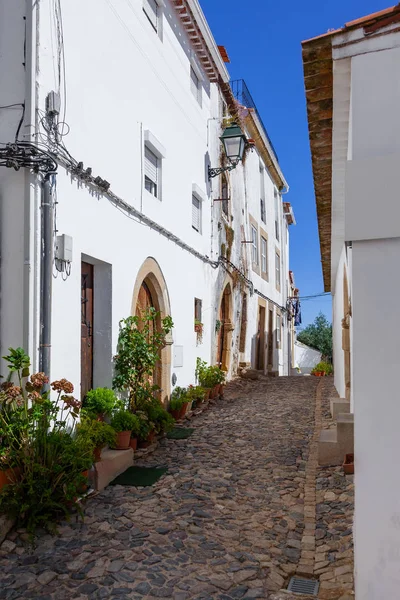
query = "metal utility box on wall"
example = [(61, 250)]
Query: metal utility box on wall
[(178, 356), (64, 248)]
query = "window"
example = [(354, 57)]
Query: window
[(278, 330), (276, 215), (151, 9), (196, 213), (264, 256), (262, 196), (197, 310), (224, 196), (243, 326), (277, 271), (254, 246), (195, 85), (151, 172)]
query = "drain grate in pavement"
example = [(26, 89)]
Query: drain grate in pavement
[(307, 587)]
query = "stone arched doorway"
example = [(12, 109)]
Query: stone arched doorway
[(224, 346), (346, 336), (151, 291)]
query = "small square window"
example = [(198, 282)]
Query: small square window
[(195, 85), (151, 10), (198, 310)]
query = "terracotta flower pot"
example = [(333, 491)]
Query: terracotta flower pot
[(176, 414), (84, 486), (348, 464), (183, 410), (151, 437), (221, 390), (97, 454), (207, 392), (143, 444), (133, 443), (123, 440), (9, 476), (214, 392)]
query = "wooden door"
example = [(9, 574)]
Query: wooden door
[(221, 338), (261, 339), (87, 314), (270, 338), (144, 302)]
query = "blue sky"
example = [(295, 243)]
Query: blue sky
[(263, 40)]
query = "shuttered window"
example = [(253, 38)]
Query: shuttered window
[(254, 245), (195, 85), (264, 261), (277, 271), (196, 213), (150, 8), (151, 172)]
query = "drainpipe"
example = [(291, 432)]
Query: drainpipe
[(46, 277)]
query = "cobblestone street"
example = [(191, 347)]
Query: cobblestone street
[(243, 507)]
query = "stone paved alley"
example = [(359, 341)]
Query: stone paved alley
[(243, 507)]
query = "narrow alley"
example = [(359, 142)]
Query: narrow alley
[(242, 508)]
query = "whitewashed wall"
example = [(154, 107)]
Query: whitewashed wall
[(370, 211), (305, 357)]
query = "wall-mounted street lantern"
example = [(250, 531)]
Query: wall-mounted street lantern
[(234, 142)]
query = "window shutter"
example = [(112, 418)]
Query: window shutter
[(196, 213), (151, 165), (151, 9)]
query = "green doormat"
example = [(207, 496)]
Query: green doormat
[(179, 433), (140, 476)]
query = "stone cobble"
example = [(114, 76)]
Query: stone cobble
[(229, 520)]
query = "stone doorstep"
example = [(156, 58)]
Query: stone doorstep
[(335, 443), (112, 464), (339, 406)]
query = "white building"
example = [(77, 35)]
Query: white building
[(352, 86), (129, 99)]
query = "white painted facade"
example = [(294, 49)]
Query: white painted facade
[(306, 358), (366, 251), (127, 87)]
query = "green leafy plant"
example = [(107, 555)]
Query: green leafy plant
[(196, 392), (139, 343), (145, 425), (318, 335), (218, 325), (100, 401), (39, 440), (99, 433), (323, 367), (123, 420), (208, 376), (179, 397)]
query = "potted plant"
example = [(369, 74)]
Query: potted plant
[(139, 343), (99, 403), (204, 377), (146, 428), (198, 327), (123, 421), (322, 369), (348, 464), (39, 441), (196, 394), (133, 443), (99, 433)]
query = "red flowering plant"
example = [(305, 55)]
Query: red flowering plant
[(39, 441)]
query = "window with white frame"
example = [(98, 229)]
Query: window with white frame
[(264, 256), (276, 215), (151, 172), (277, 270), (278, 330), (195, 85), (254, 245), (151, 10), (196, 213)]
